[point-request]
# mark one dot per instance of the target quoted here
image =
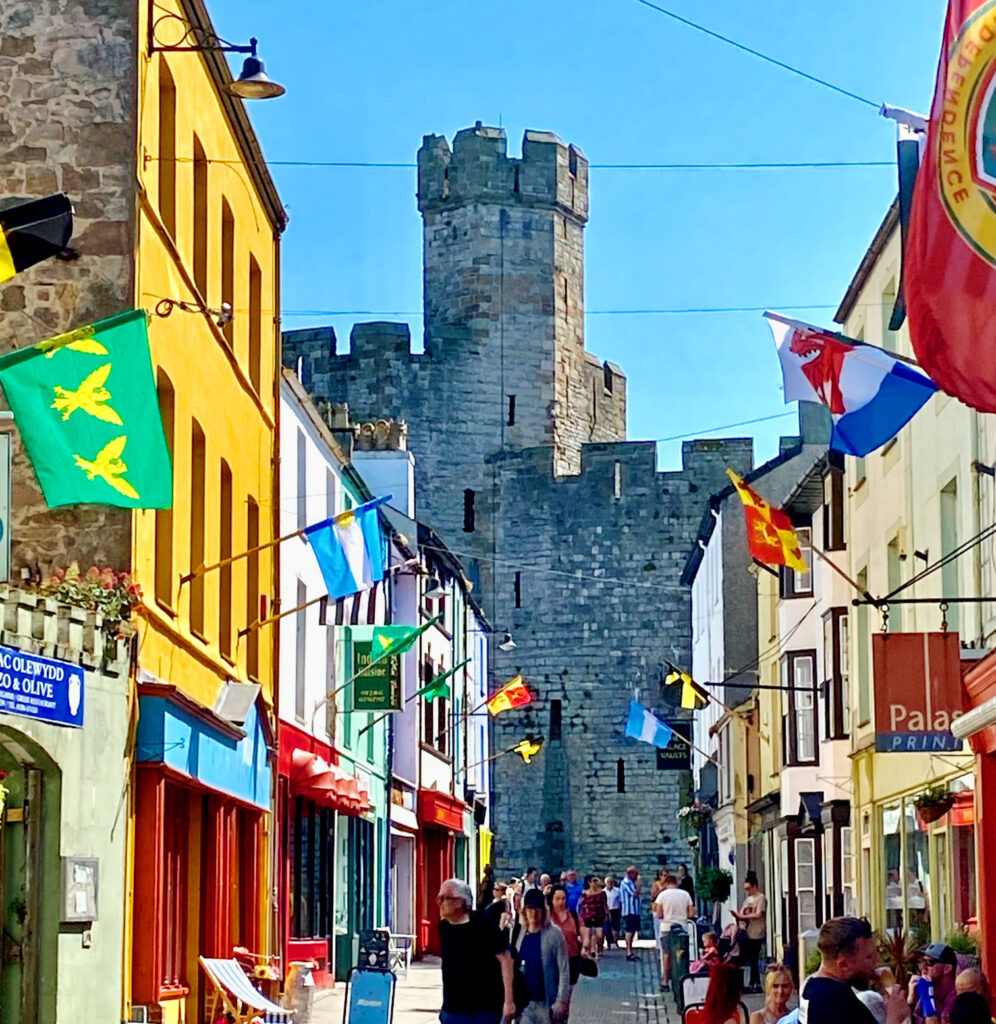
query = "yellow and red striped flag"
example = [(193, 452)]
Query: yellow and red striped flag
[(514, 694), (770, 536)]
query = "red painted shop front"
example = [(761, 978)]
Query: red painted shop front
[(440, 821)]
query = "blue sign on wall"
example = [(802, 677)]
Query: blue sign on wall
[(40, 688)]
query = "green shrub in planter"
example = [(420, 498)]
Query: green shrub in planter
[(714, 885)]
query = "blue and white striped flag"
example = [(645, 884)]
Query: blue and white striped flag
[(349, 550), (647, 728)]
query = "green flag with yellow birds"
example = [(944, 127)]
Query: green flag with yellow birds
[(86, 407)]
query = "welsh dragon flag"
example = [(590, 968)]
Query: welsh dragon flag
[(950, 269), (85, 405)]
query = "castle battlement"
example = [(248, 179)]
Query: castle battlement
[(478, 169)]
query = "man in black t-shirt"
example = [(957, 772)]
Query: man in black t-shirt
[(477, 964), (848, 956)]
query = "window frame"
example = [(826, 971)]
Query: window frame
[(789, 579), (836, 693), (792, 714)]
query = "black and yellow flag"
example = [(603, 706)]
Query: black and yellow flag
[(33, 231), (693, 697), (528, 748)]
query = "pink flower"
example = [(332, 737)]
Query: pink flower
[(93, 573)]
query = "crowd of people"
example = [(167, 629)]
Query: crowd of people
[(519, 955)]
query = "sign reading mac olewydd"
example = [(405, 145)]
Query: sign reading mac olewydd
[(40, 688), (918, 691)]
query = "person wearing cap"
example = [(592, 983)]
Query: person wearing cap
[(932, 992), (543, 962)]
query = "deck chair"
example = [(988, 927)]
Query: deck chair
[(234, 991)]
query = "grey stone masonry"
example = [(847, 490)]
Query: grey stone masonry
[(574, 541)]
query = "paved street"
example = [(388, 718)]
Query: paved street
[(623, 993)]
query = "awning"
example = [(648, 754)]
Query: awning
[(313, 778), (440, 810)]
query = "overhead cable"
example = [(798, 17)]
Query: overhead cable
[(761, 56)]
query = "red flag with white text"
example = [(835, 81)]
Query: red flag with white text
[(950, 261)]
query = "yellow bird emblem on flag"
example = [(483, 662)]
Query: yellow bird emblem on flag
[(109, 466), (80, 340), (528, 748), (90, 397)]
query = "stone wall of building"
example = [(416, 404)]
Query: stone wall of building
[(67, 122)]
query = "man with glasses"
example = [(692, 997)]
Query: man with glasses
[(477, 964), (932, 991)]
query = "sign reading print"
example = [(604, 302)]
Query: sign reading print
[(918, 692), (40, 688)]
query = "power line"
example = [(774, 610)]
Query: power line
[(725, 426), (666, 311), (757, 53)]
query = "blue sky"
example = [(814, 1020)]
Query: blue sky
[(366, 81)]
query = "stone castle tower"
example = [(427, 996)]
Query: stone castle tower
[(573, 539)]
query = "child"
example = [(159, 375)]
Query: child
[(709, 957)]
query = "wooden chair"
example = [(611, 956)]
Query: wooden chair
[(233, 990)]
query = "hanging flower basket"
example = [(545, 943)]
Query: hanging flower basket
[(933, 804), (695, 816)]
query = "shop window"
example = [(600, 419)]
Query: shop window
[(805, 883), (172, 974), (255, 324), (200, 226), (225, 572), (164, 516), (312, 870), (799, 708), (892, 854), (198, 464), (835, 679), (228, 268), (917, 875), (793, 582), (252, 587), (167, 148), (300, 650)]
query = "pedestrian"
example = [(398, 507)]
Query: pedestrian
[(972, 980), (722, 1002), (544, 881), (875, 994), (655, 921), (673, 906), (970, 1008), (847, 956), (477, 966), (631, 910), (932, 991), (685, 880), (778, 988), (593, 908), (752, 919), (497, 911), (543, 961), (574, 887), (613, 899), (529, 880), (486, 890), (567, 921)]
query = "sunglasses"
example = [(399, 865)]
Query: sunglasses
[(927, 962)]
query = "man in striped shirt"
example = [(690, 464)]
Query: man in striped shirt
[(629, 889)]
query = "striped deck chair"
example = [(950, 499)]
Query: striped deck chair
[(237, 996)]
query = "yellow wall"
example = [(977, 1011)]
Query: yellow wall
[(211, 380)]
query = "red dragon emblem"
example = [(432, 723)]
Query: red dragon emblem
[(823, 370)]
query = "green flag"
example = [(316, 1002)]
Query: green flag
[(85, 404), (391, 640), (439, 687)]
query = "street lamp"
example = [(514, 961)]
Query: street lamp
[(507, 643), (252, 84)]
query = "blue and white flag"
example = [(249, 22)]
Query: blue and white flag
[(870, 393), (349, 549), (647, 728)]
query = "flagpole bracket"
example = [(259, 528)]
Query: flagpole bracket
[(222, 316), (186, 37)]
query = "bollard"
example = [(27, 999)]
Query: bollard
[(677, 942)]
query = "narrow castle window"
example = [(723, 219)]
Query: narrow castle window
[(468, 511), (607, 375), (620, 776), (511, 410), (567, 311), (518, 590), (572, 161), (594, 402), (555, 720), (515, 183), (617, 480)]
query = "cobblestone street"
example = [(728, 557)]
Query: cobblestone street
[(623, 993)]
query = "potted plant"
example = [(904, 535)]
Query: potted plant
[(713, 886), (897, 949), (933, 803)]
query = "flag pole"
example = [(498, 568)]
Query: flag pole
[(822, 555), (698, 750), (201, 569), (417, 693), (283, 615), (713, 697)]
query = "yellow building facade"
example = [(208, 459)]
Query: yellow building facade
[(908, 504), (208, 223)]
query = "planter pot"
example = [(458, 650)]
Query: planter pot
[(934, 812)]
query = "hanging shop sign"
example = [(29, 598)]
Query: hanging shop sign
[(677, 755), (40, 688), (379, 686), (918, 692)]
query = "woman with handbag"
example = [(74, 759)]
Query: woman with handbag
[(542, 954)]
